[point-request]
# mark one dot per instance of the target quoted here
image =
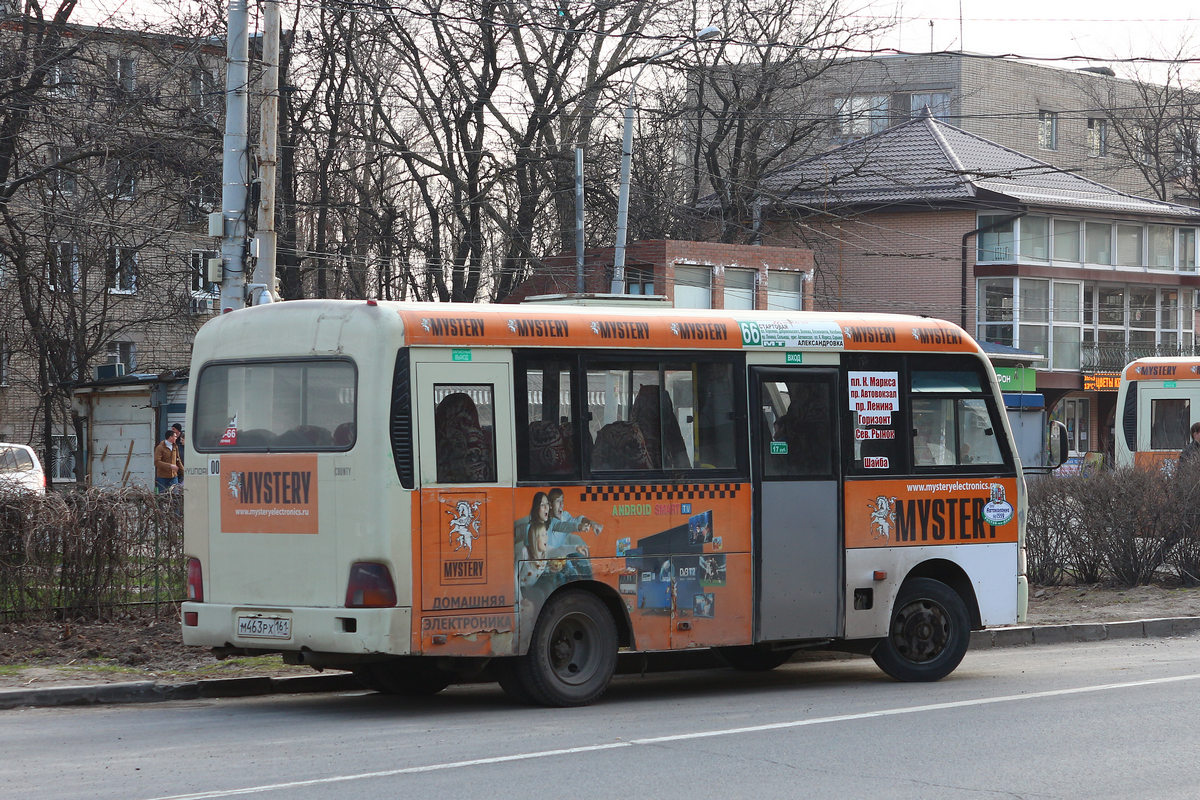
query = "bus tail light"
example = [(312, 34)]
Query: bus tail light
[(370, 586), (195, 581)]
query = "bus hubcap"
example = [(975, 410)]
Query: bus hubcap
[(921, 630)]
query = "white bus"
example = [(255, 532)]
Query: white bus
[(424, 493), (1157, 403)]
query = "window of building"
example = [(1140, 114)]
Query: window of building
[(63, 267), (1168, 322), (1075, 414), (1035, 237), (1067, 316), (693, 287), (1098, 243), (1066, 240), (61, 79), (120, 179), (785, 290), (62, 457), (201, 201), (995, 243), (5, 362), (62, 179), (1129, 246), (995, 310), (639, 282), (1187, 249), (125, 354), (1033, 315), (204, 88), (1097, 137), (739, 288), (1160, 240), (1048, 130), (198, 280), (122, 270), (938, 104), (122, 73), (861, 115)]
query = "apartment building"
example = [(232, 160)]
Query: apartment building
[(924, 217), (105, 241), (685, 274), (1085, 121)]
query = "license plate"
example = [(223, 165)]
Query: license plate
[(264, 627)]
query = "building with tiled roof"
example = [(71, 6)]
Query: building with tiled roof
[(926, 218)]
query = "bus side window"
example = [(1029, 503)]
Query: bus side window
[(465, 444), (551, 449)]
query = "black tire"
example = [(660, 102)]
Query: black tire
[(572, 654), (929, 634), (403, 680), (505, 671), (754, 657)]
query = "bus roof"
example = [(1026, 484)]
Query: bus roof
[(1163, 369), (576, 326), (511, 325)]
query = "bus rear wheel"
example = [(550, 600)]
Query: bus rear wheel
[(572, 654), (929, 633)]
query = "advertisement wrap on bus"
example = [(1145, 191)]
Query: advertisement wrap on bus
[(429, 493)]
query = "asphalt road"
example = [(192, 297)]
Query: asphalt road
[(1095, 720)]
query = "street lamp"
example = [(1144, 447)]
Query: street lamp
[(618, 282)]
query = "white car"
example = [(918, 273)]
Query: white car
[(20, 470)]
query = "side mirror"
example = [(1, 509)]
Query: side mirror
[(1057, 436)]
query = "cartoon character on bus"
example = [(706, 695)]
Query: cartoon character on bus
[(883, 517), (464, 526)]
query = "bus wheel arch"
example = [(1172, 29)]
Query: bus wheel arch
[(954, 576), (928, 632)]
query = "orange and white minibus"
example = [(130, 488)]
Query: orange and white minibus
[(1157, 403), (424, 493)]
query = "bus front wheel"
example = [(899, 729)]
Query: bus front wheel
[(929, 633), (572, 654)]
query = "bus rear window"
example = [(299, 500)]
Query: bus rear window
[(276, 406)]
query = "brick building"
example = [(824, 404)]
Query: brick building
[(687, 274), (1082, 120), (926, 218), (103, 253)]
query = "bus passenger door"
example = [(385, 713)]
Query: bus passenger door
[(798, 556), (465, 445)]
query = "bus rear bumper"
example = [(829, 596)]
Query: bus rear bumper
[(349, 631)]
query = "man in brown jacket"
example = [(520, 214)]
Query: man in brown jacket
[(166, 468)]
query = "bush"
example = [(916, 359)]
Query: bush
[(1126, 526), (88, 554)]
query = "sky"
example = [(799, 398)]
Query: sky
[(1043, 29)]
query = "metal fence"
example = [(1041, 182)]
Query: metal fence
[(93, 555), (1113, 358)]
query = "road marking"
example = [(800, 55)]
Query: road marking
[(678, 737)]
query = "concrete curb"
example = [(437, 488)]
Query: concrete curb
[(153, 691)]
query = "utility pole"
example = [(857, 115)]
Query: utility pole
[(264, 266), (235, 164)]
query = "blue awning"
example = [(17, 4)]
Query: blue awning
[(1024, 400)]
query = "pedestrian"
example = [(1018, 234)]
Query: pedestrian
[(1190, 454), (178, 448), (166, 469)]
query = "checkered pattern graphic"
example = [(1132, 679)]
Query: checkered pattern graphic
[(672, 491)]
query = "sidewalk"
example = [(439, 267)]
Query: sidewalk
[(154, 691)]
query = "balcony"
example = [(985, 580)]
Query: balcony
[(1114, 357)]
